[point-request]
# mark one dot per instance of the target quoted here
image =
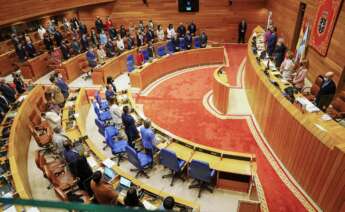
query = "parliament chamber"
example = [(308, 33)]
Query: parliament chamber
[(165, 105)]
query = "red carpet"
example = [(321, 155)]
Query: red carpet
[(176, 105), (236, 54)]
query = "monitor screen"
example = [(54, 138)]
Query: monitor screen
[(188, 5), (125, 182), (109, 172)]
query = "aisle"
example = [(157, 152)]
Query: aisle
[(176, 105)]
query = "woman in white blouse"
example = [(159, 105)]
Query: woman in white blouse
[(171, 32), (120, 44), (287, 67), (160, 33)]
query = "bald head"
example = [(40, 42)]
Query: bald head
[(329, 75)]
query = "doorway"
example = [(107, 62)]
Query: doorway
[(298, 26)]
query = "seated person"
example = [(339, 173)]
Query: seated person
[(30, 50), (203, 40), (192, 28), (188, 40), (91, 58), (109, 93), (299, 78), (132, 199), (103, 191), (58, 140), (168, 204), (139, 58), (109, 49), (287, 67), (148, 138)]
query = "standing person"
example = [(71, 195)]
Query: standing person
[(65, 51), (7, 91), (279, 52), (111, 82), (20, 51), (99, 24), (66, 24), (298, 80), (130, 43), (108, 24), (75, 46), (140, 39), (150, 25), (130, 127), (41, 32), (242, 29), (62, 85), (48, 43), (91, 58), (58, 38), (160, 33), (18, 81), (326, 92), (148, 138), (287, 67), (171, 32), (30, 50), (94, 38), (151, 51), (109, 49), (188, 40), (120, 44), (101, 55), (84, 42), (203, 40), (122, 31), (116, 112), (192, 28), (109, 93), (272, 40), (57, 97), (181, 30), (139, 58), (102, 38), (112, 32)]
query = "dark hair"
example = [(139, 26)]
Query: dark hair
[(52, 78), (97, 176), (125, 109), (168, 203), (132, 198)]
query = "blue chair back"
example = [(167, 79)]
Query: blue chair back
[(101, 125), (98, 97), (171, 47), (197, 42), (182, 43), (130, 58), (95, 107), (145, 54), (161, 51), (109, 134), (133, 157), (168, 159), (200, 170), (130, 63)]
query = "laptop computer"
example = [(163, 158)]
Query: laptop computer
[(124, 185), (108, 175)]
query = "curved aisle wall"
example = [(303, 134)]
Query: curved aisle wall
[(19, 141), (312, 150)]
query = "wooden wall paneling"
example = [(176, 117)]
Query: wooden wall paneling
[(16, 10), (215, 17), (334, 61)]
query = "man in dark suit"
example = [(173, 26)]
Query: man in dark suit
[(48, 43), (130, 127), (242, 29), (7, 91), (30, 49), (188, 40), (65, 51), (203, 40), (58, 38), (326, 92), (99, 24), (192, 28), (4, 104), (181, 30)]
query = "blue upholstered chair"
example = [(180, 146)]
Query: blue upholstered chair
[(101, 125), (182, 44), (140, 160), (197, 43), (145, 54), (103, 104), (168, 159), (130, 63), (161, 51), (202, 174), (102, 115), (118, 147), (171, 47)]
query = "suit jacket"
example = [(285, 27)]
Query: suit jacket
[(242, 28), (4, 104), (8, 92), (130, 127), (65, 52), (192, 28), (327, 88), (104, 192)]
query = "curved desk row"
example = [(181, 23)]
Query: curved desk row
[(19, 140), (221, 90), (310, 148), (141, 78), (115, 66), (81, 107), (36, 67)]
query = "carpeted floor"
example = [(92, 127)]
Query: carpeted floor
[(176, 105), (236, 53)]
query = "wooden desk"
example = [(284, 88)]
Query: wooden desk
[(311, 149), (141, 78), (19, 141), (183, 152), (221, 90), (70, 68), (8, 63), (36, 67)]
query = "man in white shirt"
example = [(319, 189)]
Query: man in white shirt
[(58, 140), (41, 31), (116, 112), (53, 119)]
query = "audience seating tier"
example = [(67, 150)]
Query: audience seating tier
[(310, 148)]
